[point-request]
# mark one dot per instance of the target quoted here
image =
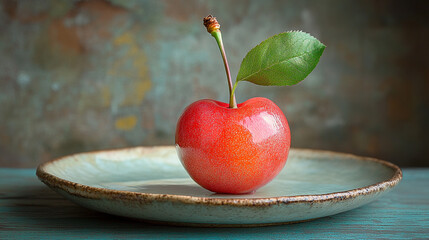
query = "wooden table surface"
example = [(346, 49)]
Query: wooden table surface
[(30, 210)]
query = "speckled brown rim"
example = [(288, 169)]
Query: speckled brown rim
[(84, 191)]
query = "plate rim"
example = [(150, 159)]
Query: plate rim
[(90, 192)]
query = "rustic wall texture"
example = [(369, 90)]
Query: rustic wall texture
[(88, 75)]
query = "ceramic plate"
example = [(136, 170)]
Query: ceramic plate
[(149, 183)]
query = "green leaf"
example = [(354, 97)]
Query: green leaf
[(284, 59)]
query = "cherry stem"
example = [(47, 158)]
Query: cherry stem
[(213, 27), (232, 93), (218, 36)]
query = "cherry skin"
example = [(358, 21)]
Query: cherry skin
[(233, 150)]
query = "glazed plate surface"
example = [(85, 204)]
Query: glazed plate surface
[(149, 183)]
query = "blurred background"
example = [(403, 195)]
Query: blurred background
[(99, 74)]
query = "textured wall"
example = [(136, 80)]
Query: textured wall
[(88, 75)]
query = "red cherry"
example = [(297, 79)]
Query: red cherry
[(233, 150)]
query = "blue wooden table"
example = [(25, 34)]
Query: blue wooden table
[(30, 210)]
